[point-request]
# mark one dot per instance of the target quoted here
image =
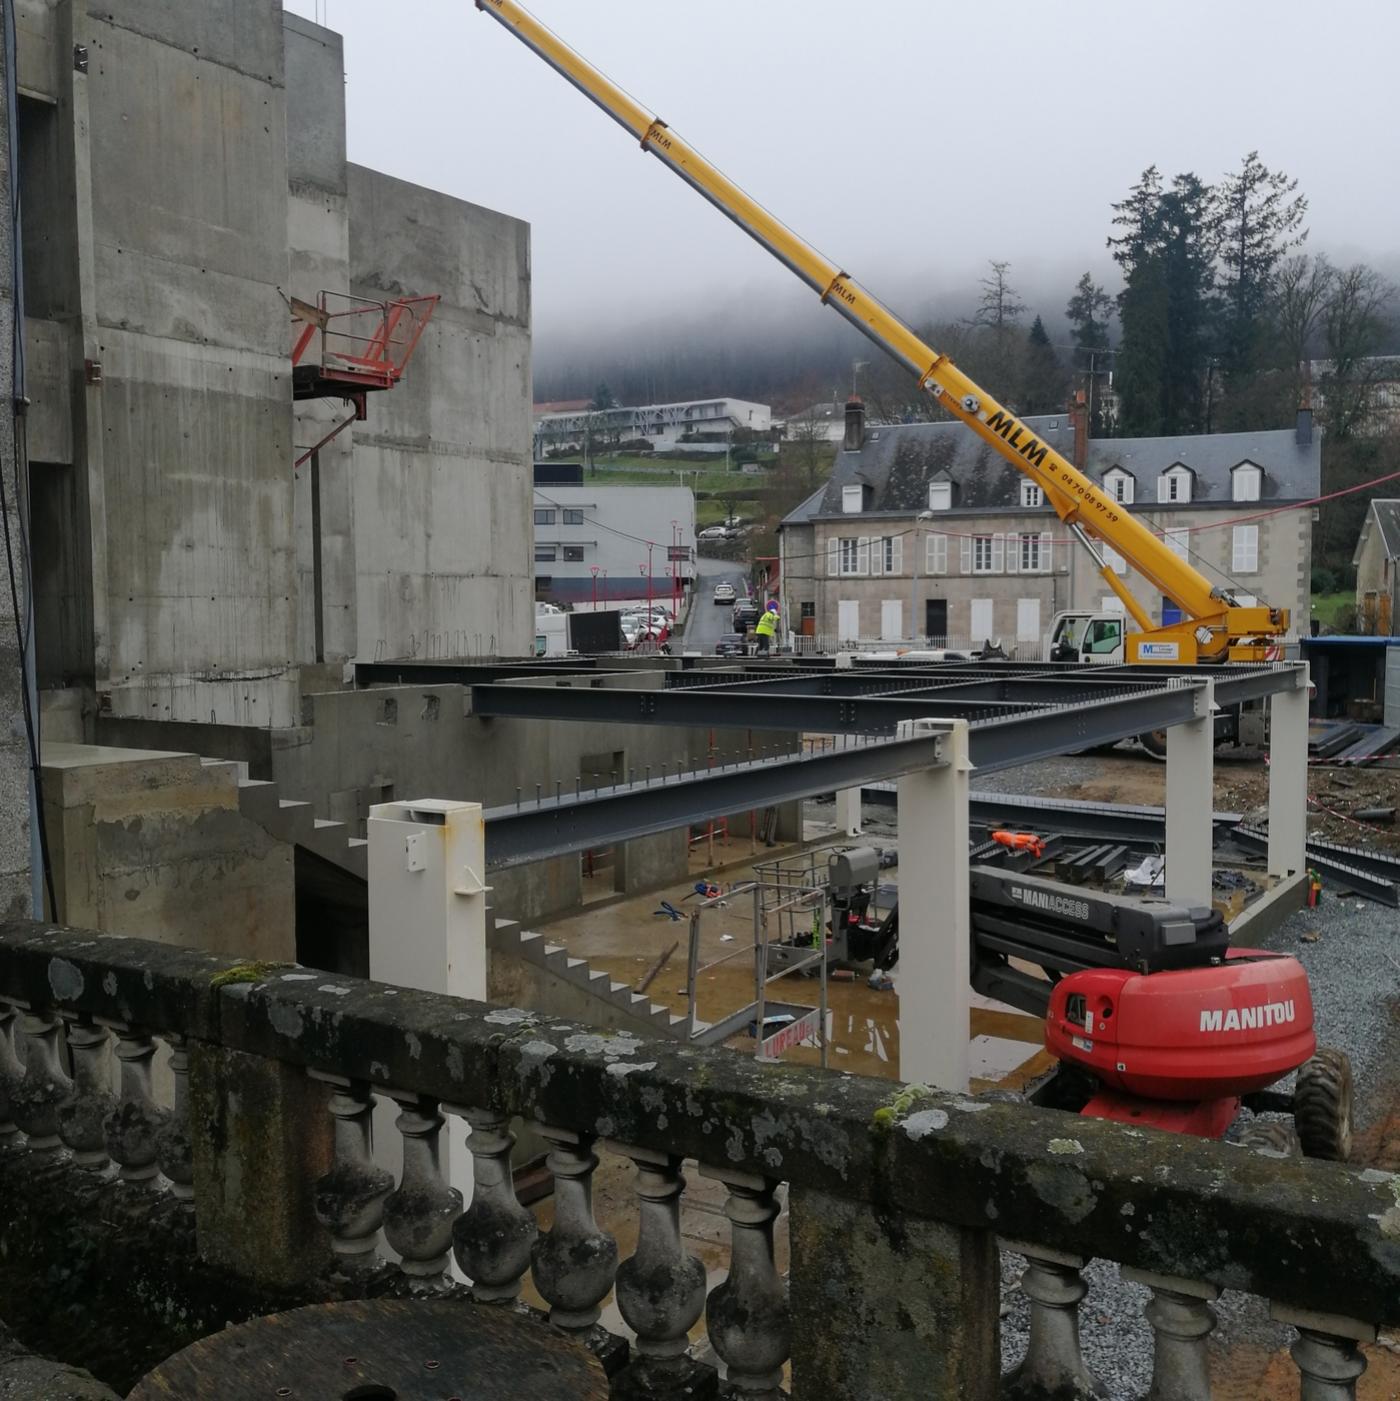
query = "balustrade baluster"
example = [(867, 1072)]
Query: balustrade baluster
[(135, 1124), (1182, 1319), (1054, 1364), (493, 1238), (1326, 1352), (660, 1288), (419, 1213), (174, 1149), (82, 1117), (574, 1264), (35, 1101), (350, 1197), (747, 1315), (11, 1073)]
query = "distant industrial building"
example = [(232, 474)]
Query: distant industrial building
[(613, 542), (924, 531), (697, 425)]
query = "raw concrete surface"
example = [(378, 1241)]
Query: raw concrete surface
[(154, 845)]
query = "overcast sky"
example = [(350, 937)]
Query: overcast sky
[(908, 139)]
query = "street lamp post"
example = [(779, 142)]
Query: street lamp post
[(594, 569), (914, 582)]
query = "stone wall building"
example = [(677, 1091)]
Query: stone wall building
[(924, 531), (1377, 562)]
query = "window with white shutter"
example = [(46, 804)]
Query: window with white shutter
[(1245, 550), (1013, 554), (833, 556), (940, 496), (998, 554), (1047, 552), (1029, 553), (965, 555), (1244, 482), (936, 554), (894, 554), (852, 500), (877, 556), (863, 561)]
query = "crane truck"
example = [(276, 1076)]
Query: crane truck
[(1214, 626), (1188, 1076)]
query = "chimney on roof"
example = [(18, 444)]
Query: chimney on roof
[(855, 424), (1079, 417), (1304, 431)]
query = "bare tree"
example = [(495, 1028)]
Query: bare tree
[(1000, 306), (1301, 293), (1355, 321), (807, 434)]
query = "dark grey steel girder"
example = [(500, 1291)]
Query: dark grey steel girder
[(557, 826), (1015, 731), (726, 709)]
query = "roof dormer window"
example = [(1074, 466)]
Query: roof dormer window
[(1120, 485), (853, 499), (1031, 495), (1174, 485), (940, 496), (1245, 482)]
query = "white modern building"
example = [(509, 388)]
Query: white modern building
[(613, 542), (698, 425)]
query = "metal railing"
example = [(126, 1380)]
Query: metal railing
[(896, 1194)]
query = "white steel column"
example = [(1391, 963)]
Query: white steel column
[(1191, 802), (935, 953), (848, 813), (427, 930), (1288, 778)]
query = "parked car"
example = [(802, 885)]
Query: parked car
[(746, 614), (732, 644), (712, 532), (724, 592)]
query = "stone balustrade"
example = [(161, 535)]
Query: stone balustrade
[(900, 1199)]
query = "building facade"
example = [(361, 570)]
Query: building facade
[(1377, 561), (184, 570), (613, 542), (697, 425), (926, 532)]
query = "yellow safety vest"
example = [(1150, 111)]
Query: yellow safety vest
[(767, 624)]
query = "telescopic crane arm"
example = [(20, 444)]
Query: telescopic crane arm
[(1213, 627)]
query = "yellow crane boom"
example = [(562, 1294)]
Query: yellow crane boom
[(1213, 626)]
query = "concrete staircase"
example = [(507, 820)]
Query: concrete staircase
[(297, 824), (509, 938)]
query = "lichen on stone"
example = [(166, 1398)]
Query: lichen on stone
[(246, 973)]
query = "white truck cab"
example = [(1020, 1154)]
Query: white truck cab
[(1091, 639)]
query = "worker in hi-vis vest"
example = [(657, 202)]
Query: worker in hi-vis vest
[(767, 629)]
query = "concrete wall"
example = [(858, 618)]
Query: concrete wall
[(153, 844), (318, 234), (14, 766), (443, 468), (189, 203), (363, 747)]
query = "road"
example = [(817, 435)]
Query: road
[(708, 620)]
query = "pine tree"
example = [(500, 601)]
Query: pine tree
[(1260, 218), (1088, 312), (1042, 377), (1166, 251)]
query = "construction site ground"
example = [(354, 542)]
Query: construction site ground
[(1350, 948)]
